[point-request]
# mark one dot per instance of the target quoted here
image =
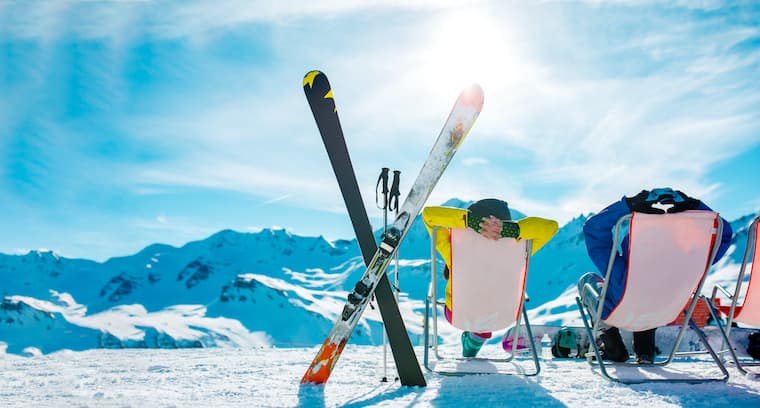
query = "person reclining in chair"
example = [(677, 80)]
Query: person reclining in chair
[(492, 219), (598, 233)]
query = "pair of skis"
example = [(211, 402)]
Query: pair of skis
[(460, 121)]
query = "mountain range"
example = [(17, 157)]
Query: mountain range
[(268, 288)]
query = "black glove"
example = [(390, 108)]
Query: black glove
[(687, 203), (640, 204), (510, 229), (474, 221)]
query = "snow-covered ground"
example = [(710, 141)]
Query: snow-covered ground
[(270, 378)]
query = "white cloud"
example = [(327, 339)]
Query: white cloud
[(592, 117), (474, 161), (47, 20), (689, 4), (277, 199)]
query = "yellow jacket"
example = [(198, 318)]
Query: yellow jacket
[(540, 230)]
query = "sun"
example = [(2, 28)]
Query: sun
[(467, 47)]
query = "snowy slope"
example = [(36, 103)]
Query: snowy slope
[(160, 276), (35, 326), (37, 272), (270, 378), (264, 288)]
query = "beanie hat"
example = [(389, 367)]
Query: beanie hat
[(490, 206)]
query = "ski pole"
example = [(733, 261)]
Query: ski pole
[(382, 179), (393, 200), (382, 187), (395, 193)]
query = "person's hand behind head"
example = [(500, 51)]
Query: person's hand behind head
[(686, 203), (641, 203)]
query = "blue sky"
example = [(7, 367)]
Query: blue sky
[(128, 123)]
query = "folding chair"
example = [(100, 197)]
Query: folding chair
[(488, 294), (668, 259), (748, 313)]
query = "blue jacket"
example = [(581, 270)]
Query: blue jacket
[(598, 231)]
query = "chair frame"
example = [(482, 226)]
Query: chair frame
[(587, 315), (432, 297), (726, 346)]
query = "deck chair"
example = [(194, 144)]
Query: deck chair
[(488, 294), (748, 313), (668, 259)]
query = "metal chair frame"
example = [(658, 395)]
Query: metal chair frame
[(587, 315), (725, 347), (432, 298)]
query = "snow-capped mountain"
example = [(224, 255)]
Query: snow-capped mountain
[(241, 289), (153, 284)]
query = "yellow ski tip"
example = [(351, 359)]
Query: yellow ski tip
[(308, 79)]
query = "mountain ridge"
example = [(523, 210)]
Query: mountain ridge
[(269, 287)]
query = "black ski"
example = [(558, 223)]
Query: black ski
[(319, 96)]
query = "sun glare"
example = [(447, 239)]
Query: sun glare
[(465, 48)]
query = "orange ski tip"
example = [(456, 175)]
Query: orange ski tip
[(473, 96), (320, 369), (319, 376), (308, 79)]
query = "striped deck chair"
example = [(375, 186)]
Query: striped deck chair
[(748, 313), (488, 294), (668, 259)]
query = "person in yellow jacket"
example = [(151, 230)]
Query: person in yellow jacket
[(491, 218)]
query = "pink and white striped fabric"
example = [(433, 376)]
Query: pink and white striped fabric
[(487, 280), (669, 255)]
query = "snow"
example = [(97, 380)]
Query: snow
[(269, 377), (239, 294)]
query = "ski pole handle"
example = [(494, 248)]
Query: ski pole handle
[(395, 193), (384, 179)]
